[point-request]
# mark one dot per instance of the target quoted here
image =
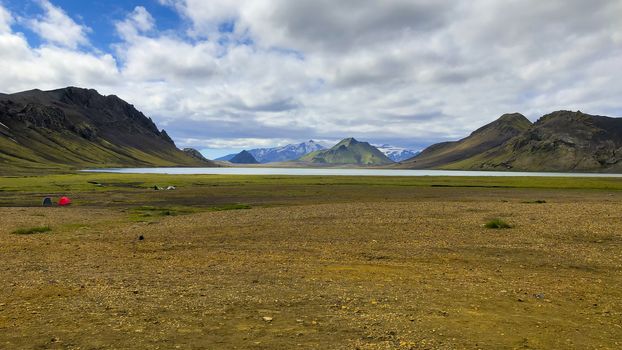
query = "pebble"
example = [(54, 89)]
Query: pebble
[(267, 318)]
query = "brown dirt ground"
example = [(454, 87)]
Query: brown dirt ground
[(420, 273)]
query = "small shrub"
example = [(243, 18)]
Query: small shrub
[(497, 224), (32, 230)]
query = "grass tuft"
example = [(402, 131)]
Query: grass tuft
[(497, 224), (32, 230)]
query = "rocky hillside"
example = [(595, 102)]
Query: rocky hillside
[(560, 141), (348, 152), (77, 128)]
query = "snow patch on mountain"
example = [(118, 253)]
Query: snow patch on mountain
[(396, 154)]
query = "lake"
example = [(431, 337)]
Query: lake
[(335, 172)]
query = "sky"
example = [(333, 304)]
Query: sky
[(226, 75)]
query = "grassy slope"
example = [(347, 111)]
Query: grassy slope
[(47, 151)]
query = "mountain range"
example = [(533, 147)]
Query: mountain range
[(559, 141), (348, 151), (280, 154), (77, 128), (74, 128), (295, 151)]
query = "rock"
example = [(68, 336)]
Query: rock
[(267, 318), (141, 238)]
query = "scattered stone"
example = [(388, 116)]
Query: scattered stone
[(141, 238), (539, 296), (267, 318)]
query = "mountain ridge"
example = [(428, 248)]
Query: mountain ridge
[(558, 141), (75, 127)]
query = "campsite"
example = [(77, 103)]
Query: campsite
[(275, 262)]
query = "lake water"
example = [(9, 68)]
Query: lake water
[(336, 172)]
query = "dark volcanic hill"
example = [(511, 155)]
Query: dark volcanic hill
[(348, 152), (74, 127), (560, 141), (244, 157)]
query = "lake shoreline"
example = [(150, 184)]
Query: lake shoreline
[(339, 172)]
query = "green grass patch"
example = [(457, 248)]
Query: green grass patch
[(497, 224), (230, 207), (32, 230), (150, 212)]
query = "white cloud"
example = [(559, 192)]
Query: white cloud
[(57, 28), (137, 22), (6, 19), (399, 71)]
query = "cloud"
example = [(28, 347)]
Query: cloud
[(6, 19), (409, 72), (137, 22), (57, 28)]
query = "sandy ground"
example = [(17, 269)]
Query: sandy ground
[(412, 274)]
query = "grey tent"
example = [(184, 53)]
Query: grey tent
[(47, 202)]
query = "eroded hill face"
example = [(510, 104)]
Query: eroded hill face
[(559, 141), (76, 127)]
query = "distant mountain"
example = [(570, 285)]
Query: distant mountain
[(348, 151), (227, 158), (76, 128), (396, 154), (559, 141), (481, 140), (244, 157), (281, 154)]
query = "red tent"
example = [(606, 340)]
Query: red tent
[(64, 201)]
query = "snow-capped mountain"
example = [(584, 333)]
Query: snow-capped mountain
[(397, 154), (283, 153)]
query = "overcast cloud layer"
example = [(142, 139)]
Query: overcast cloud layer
[(249, 73)]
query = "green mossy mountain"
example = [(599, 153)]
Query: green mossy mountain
[(559, 141), (244, 157), (348, 152), (75, 128)]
